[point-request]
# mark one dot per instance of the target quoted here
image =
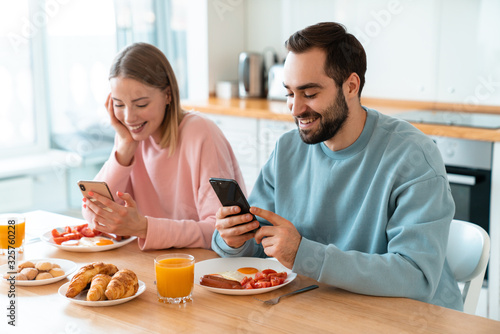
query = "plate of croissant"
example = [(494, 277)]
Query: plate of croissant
[(102, 284)]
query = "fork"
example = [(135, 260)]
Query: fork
[(276, 300)]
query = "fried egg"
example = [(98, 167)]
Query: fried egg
[(94, 241), (239, 274)]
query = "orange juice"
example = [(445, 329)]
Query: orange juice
[(11, 234), (174, 277)]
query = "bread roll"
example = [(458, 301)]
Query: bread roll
[(30, 273), (25, 264), (43, 275), (56, 272), (43, 265)]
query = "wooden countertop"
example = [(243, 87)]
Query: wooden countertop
[(40, 309), (277, 110)]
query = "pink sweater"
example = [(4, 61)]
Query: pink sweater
[(173, 192)]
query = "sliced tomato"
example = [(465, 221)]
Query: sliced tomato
[(55, 233), (245, 280), (277, 280), (87, 232), (251, 284), (259, 276), (262, 284), (281, 274), (79, 228), (60, 240), (268, 271), (72, 236)]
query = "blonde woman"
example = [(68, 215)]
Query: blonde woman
[(162, 158)]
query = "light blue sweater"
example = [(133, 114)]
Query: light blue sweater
[(374, 217)]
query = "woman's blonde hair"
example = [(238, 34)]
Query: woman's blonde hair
[(147, 64)]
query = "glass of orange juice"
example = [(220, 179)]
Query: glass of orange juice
[(12, 233), (174, 277)]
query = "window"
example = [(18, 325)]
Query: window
[(80, 45), (21, 132), (55, 57)]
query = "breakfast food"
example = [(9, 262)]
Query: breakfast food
[(244, 278), (98, 286), (123, 284), (17, 277), (85, 275), (216, 281), (43, 265), (83, 235), (105, 280), (28, 271), (56, 272), (26, 264), (44, 275)]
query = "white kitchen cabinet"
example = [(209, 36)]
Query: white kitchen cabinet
[(469, 71), (252, 141), (401, 62), (241, 132), (269, 132)]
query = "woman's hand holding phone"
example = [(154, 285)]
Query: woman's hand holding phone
[(106, 215), (125, 145)]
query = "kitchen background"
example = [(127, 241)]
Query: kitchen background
[(55, 56)]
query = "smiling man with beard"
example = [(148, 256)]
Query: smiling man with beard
[(352, 198)]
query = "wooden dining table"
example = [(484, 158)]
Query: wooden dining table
[(40, 309)]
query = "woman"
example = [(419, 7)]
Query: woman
[(162, 158)]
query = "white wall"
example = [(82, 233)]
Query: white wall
[(226, 39), (432, 50)]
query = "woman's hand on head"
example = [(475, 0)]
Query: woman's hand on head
[(125, 145)]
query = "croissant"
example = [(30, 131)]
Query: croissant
[(123, 284), (83, 277), (98, 287)]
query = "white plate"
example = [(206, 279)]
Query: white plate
[(81, 297), (47, 237), (66, 265), (213, 266)]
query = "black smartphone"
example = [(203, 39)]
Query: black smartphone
[(230, 194)]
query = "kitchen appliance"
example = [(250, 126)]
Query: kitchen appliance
[(468, 162), (276, 91), (251, 75)]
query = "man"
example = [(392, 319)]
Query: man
[(352, 198)]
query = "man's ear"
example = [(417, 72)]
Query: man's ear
[(351, 86)]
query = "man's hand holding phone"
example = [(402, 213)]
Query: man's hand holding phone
[(233, 227)]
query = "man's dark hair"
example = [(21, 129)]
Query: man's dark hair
[(344, 53)]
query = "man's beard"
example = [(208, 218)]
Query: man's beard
[(331, 121)]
